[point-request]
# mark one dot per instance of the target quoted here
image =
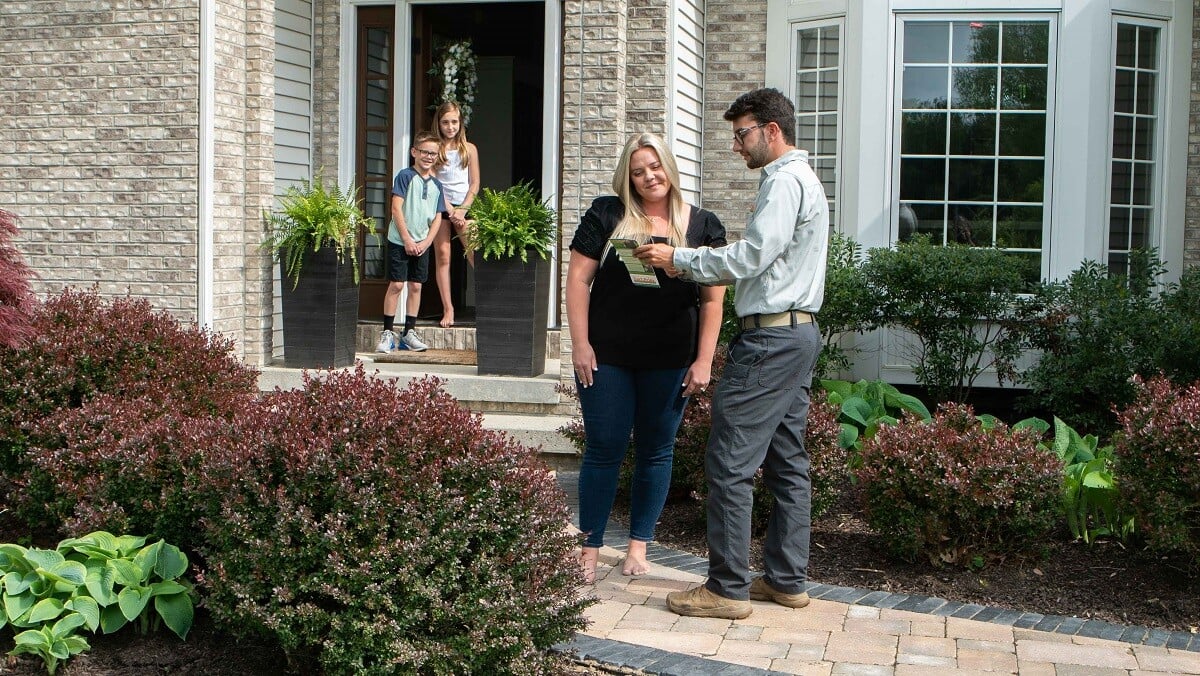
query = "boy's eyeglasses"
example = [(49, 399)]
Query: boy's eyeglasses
[(427, 153)]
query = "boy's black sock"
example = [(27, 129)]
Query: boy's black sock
[(410, 321), (388, 322)]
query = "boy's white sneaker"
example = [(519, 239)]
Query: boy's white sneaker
[(413, 342), (387, 342)]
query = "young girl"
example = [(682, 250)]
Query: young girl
[(458, 171)]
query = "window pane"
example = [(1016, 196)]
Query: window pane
[(972, 180), (806, 48), (806, 130), (1122, 183), (923, 133), (924, 219), (828, 89), (974, 88), (1123, 91), (806, 91), (1126, 44), (1147, 47), (1145, 93), (379, 52), (816, 96), (1023, 134), (924, 87), (976, 42), (1143, 138), (970, 224), (922, 179), (1020, 181), (1139, 228), (926, 42), (972, 133), (1118, 229), (825, 170), (1122, 136), (826, 135), (1142, 193), (1023, 88), (1026, 42), (829, 47), (1019, 227)]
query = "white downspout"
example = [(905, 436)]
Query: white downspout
[(205, 234)]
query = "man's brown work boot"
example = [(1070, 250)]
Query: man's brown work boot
[(700, 602), (761, 591)]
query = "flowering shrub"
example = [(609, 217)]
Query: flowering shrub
[(1158, 460), (83, 346), (15, 297), (456, 70), (954, 490), (379, 530)]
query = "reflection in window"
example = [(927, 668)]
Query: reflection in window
[(973, 98), (818, 71), (1135, 146), (376, 134)]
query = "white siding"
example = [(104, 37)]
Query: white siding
[(293, 115), (687, 94)]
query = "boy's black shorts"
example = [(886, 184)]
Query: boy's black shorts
[(405, 268)]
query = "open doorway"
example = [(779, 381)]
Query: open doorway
[(505, 124)]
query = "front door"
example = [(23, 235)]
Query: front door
[(505, 123)]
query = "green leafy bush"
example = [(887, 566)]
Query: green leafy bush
[(958, 303), (378, 531), (507, 223), (851, 305), (865, 406), (955, 491), (1097, 329), (1158, 459), (312, 216), (1090, 494), (98, 581), (84, 346)]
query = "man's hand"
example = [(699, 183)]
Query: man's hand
[(656, 255)]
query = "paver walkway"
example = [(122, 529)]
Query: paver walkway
[(848, 631)]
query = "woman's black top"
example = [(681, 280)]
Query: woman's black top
[(634, 326)]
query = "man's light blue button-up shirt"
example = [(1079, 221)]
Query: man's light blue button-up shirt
[(779, 263)]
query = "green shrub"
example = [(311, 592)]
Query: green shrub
[(1158, 459), (84, 346), (1090, 494), (851, 305), (865, 406), (1096, 330), (379, 531), (955, 491), (958, 303)]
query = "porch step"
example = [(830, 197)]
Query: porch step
[(453, 338), (538, 431)]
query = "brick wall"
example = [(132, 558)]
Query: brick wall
[(326, 54), (735, 63), (1191, 245), (100, 151), (646, 71), (99, 145)]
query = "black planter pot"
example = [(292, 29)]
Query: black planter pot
[(512, 300), (321, 314)]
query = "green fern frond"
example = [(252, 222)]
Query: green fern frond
[(312, 216)]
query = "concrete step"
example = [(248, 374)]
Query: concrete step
[(538, 431)]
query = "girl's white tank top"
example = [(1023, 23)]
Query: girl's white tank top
[(454, 178)]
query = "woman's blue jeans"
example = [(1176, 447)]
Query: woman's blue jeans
[(646, 402)]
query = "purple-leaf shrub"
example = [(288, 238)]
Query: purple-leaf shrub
[(955, 492), (378, 530), (1157, 452), (15, 297), (84, 345)]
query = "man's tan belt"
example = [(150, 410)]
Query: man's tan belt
[(786, 318)]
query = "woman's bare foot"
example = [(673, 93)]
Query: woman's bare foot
[(587, 563), (447, 318), (635, 559)]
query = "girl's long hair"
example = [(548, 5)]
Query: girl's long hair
[(636, 224), (460, 139)]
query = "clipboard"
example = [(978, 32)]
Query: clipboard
[(640, 273)]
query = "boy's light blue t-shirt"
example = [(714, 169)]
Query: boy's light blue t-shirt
[(422, 201)]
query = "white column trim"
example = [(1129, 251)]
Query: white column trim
[(205, 235)]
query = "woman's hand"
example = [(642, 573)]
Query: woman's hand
[(583, 357), (697, 377)]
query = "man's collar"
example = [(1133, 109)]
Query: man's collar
[(789, 156)]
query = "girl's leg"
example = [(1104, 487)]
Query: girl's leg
[(441, 272), (607, 407), (659, 411)]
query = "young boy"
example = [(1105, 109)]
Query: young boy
[(417, 206)]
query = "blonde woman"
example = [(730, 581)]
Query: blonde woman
[(458, 172), (639, 352)]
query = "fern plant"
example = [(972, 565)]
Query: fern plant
[(310, 217), (508, 223)]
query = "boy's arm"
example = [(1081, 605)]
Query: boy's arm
[(401, 226)]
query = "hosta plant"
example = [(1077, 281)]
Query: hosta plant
[(866, 405), (99, 581)]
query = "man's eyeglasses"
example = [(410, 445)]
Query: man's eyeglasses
[(740, 134), (428, 153)]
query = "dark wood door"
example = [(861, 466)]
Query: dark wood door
[(373, 140)]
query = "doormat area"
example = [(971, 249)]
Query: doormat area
[(430, 356)]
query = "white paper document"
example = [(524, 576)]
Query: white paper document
[(639, 272)]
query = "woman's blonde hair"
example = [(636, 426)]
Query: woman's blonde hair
[(460, 139), (636, 224)]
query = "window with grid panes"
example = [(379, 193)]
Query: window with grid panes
[(1135, 87), (972, 102), (818, 81)]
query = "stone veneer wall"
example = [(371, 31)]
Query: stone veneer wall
[(1191, 243), (325, 88), (99, 151)]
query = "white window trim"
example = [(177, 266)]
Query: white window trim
[(793, 66)]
